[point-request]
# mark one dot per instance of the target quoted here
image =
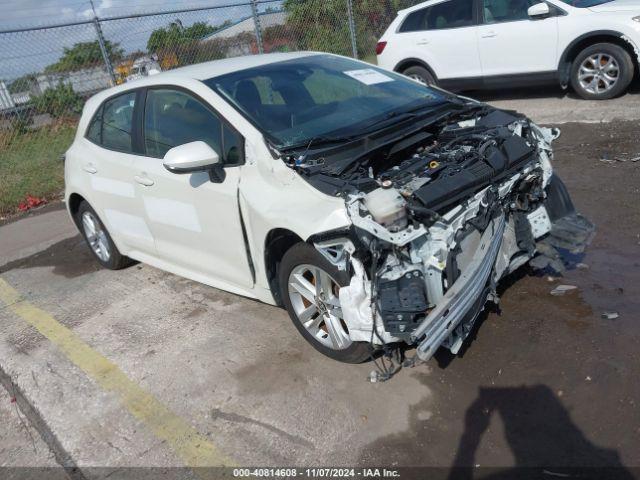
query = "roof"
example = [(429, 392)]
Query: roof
[(204, 71), (216, 68), (247, 24)]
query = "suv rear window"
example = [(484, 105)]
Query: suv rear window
[(449, 14)]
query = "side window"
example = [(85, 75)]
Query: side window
[(173, 118), (448, 14), (497, 11), (94, 132), (117, 120), (414, 21)]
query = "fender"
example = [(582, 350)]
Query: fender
[(564, 65)]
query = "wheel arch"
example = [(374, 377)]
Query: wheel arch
[(277, 242), (414, 62), (591, 38), (73, 204)]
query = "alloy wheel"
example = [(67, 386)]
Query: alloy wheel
[(314, 297), (418, 78), (96, 236), (598, 73)]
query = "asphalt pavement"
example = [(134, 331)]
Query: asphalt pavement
[(143, 368)]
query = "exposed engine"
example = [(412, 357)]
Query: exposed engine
[(438, 218)]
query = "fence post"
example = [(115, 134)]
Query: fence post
[(103, 49), (256, 21), (352, 29)]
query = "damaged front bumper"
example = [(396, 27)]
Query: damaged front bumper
[(465, 297)]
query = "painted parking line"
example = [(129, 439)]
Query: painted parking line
[(193, 448)]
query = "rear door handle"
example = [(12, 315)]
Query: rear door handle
[(423, 41), (89, 168), (146, 181), (489, 35)]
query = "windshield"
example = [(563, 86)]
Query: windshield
[(585, 3), (298, 100)]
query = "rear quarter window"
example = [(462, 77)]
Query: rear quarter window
[(111, 126), (444, 15)]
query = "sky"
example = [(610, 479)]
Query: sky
[(27, 52)]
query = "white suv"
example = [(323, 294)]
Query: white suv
[(469, 44)]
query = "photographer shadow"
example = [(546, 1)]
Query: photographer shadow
[(544, 440)]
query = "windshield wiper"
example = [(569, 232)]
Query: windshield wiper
[(403, 115), (317, 142)]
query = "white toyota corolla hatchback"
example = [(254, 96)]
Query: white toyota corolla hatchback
[(375, 209)]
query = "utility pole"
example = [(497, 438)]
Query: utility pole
[(352, 29), (256, 20), (101, 42)]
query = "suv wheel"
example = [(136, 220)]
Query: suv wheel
[(420, 75), (309, 285), (601, 71), (98, 239)]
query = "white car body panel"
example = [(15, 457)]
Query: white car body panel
[(541, 55)]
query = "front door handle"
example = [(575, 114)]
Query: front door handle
[(423, 41), (489, 35), (89, 168), (143, 180)]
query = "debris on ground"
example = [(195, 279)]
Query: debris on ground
[(604, 158), (31, 202), (610, 315), (562, 289), (582, 266)]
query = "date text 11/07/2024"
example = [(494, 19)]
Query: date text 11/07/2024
[(316, 473)]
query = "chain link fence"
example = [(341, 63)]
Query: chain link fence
[(47, 73)]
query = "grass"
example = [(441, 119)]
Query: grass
[(30, 164)]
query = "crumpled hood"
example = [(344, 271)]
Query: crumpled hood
[(618, 6)]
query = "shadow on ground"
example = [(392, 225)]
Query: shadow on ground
[(540, 434), (69, 258)]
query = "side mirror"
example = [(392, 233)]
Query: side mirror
[(538, 10), (194, 157)]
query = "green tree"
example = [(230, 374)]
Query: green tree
[(176, 35), (323, 24), (59, 101), (83, 55)]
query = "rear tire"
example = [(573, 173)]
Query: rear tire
[(303, 264), (420, 75), (98, 239), (602, 71)]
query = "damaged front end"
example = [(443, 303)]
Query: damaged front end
[(438, 219)]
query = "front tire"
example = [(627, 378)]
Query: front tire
[(98, 239), (309, 286), (602, 71)]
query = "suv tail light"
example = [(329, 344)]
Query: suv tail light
[(380, 47)]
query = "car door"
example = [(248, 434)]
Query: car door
[(194, 220), (444, 35), (511, 42), (109, 169)]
